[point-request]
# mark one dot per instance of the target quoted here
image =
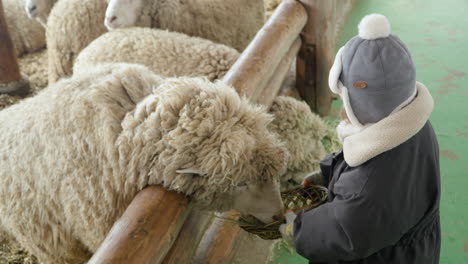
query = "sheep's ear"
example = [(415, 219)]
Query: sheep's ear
[(192, 170)]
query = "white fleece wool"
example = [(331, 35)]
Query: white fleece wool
[(374, 26), (73, 24), (168, 54), (233, 23), (71, 167), (302, 131)]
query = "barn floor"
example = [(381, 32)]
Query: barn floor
[(436, 34)]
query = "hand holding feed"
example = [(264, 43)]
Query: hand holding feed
[(287, 229)]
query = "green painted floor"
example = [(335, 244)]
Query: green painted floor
[(436, 32)]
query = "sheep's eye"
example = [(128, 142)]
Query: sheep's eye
[(242, 184)]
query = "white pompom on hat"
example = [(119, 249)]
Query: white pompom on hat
[(374, 26)]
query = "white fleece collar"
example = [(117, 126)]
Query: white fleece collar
[(346, 129), (389, 132)]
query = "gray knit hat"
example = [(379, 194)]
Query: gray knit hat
[(373, 73)]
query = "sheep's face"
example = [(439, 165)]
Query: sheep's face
[(263, 201), (38, 9), (223, 153), (123, 13)]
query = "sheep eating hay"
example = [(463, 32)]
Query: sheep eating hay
[(168, 54), (175, 54), (77, 153), (302, 131)]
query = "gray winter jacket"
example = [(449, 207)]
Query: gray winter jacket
[(386, 210)]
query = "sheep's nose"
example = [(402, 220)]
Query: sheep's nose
[(111, 19), (32, 8)]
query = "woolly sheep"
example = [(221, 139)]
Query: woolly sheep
[(175, 54), (75, 155), (27, 35), (168, 54), (233, 23), (73, 24), (302, 131)]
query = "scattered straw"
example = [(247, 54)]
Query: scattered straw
[(34, 66), (11, 253)]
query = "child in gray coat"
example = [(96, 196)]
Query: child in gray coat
[(384, 185)]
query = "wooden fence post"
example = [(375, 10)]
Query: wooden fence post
[(326, 19), (11, 80)]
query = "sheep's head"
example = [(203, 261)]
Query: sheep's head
[(222, 154), (39, 9), (123, 13), (302, 131)]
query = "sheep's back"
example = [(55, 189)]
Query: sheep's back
[(71, 26), (233, 23), (168, 54), (59, 162)]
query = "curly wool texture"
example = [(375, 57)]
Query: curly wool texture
[(71, 167), (168, 54), (27, 35), (71, 26), (302, 131)]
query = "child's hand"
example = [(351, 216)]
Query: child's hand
[(287, 229), (313, 178)]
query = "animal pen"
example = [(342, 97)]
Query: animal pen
[(159, 225)]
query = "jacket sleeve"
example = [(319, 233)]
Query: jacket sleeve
[(326, 168), (371, 210)]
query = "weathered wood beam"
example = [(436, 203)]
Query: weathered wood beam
[(193, 230), (11, 81), (219, 241), (274, 85), (147, 229), (256, 65), (326, 19)]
